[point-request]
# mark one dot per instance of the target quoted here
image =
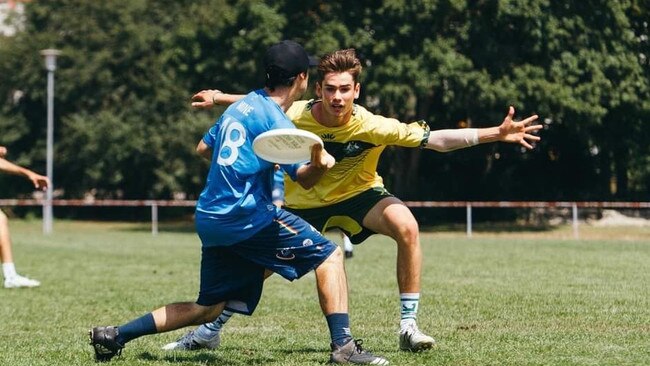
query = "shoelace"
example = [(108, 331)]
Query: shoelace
[(188, 340), (411, 329), (357, 345)]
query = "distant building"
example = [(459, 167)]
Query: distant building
[(11, 14)]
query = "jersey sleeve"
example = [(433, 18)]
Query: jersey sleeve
[(389, 131), (210, 137), (291, 170), (296, 109)]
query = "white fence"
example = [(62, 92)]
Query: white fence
[(469, 205)]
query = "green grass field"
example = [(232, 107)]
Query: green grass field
[(496, 299)]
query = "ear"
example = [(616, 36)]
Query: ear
[(319, 91), (357, 90)]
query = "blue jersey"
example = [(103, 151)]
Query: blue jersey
[(277, 194), (236, 201)]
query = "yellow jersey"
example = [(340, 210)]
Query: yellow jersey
[(356, 147)]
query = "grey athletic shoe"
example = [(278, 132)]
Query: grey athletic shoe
[(352, 352), (191, 342), (103, 341), (412, 339)]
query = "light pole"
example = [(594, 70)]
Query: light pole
[(50, 65)]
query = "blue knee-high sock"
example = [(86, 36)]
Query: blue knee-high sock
[(136, 328), (339, 324)]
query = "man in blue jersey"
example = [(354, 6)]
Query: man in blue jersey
[(351, 196), (244, 236)]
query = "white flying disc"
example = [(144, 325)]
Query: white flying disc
[(285, 145)]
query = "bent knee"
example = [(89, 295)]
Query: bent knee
[(206, 314), (337, 255), (335, 258), (408, 233)]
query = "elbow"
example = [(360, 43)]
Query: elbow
[(204, 151), (440, 149)]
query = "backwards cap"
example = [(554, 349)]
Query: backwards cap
[(287, 59)]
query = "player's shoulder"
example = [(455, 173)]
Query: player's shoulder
[(363, 115), (361, 112), (303, 104), (299, 107)]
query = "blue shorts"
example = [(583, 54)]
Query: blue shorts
[(289, 246)]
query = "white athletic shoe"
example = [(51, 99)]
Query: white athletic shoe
[(412, 339), (18, 281), (191, 342)]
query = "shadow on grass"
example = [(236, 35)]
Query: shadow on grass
[(246, 357), (168, 227), (489, 227), (203, 358)]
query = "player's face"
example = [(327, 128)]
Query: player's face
[(338, 92)]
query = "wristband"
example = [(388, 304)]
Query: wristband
[(474, 139)]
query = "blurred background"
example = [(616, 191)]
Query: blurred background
[(124, 128)]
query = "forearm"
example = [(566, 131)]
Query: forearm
[(449, 140), (308, 175), (204, 150), (11, 168), (227, 99), (489, 134)]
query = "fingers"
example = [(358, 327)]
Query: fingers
[(202, 99), (511, 112), (40, 183), (316, 150), (329, 161), (526, 144), (200, 95), (532, 137), (533, 128), (321, 158), (530, 119), (201, 104)]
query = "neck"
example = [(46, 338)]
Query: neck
[(283, 96), (328, 120)]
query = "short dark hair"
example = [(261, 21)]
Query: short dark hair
[(276, 78)]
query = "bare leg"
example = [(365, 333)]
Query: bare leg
[(5, 240), (332, 284), (182, 314), (392, 218)]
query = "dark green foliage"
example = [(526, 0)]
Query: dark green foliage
[(124, 127)]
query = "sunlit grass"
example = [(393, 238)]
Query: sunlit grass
[(499, 298)]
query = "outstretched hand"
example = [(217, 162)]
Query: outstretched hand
[(519, 132), (205, 99), (40, 181), (3, 151)]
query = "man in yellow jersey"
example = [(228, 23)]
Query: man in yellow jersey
[(351, 196)]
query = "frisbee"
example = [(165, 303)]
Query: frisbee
[(285, 145)]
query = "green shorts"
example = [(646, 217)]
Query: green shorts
[(346, 216)]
